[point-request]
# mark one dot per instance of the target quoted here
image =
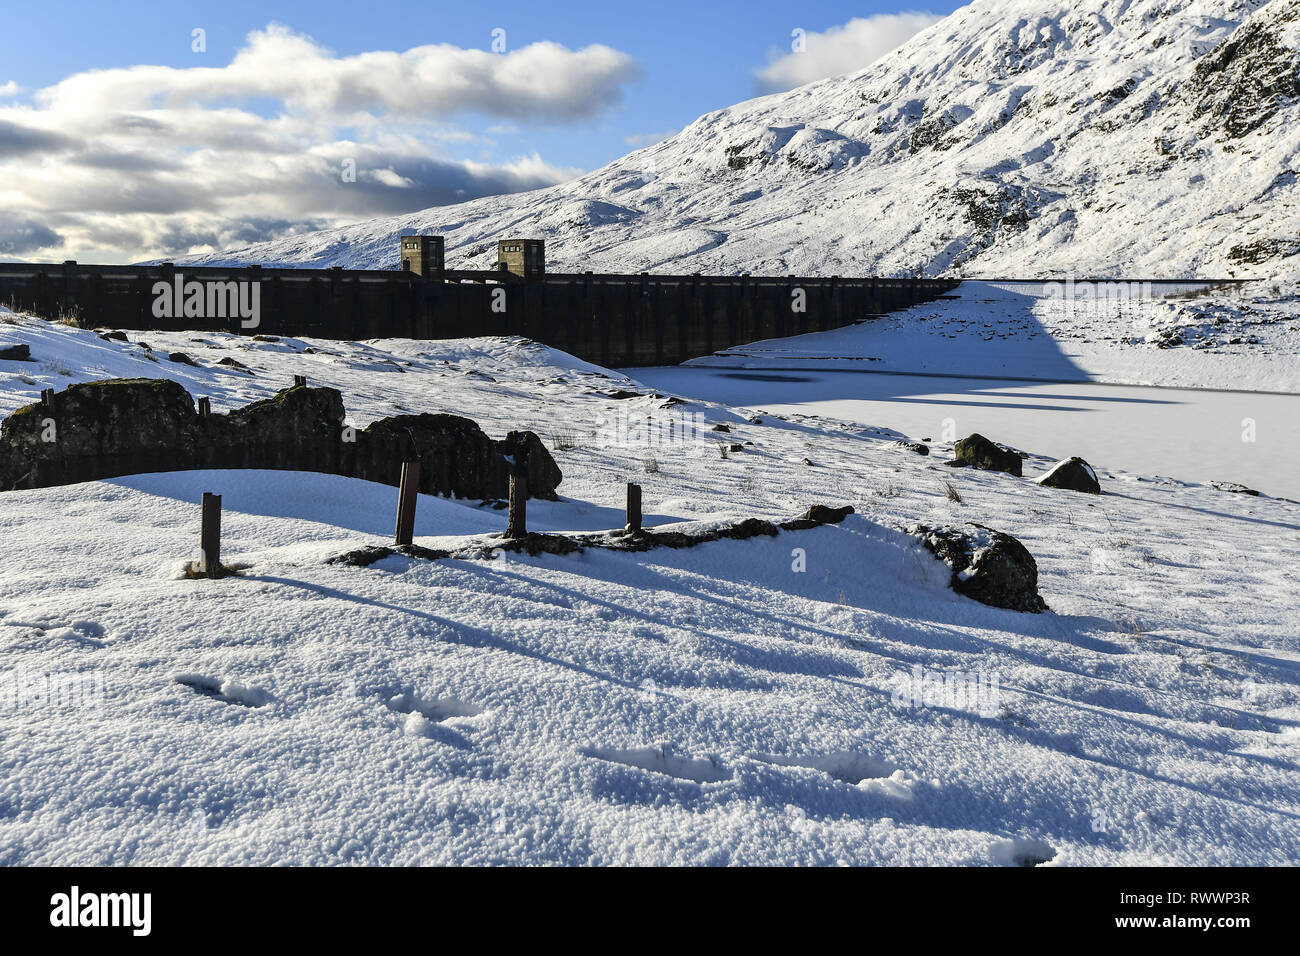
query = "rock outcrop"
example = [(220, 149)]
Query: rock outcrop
[(977, 451), (120, 427), (987, 566), (1072, 474)]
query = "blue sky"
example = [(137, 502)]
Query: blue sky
[(666, 64)]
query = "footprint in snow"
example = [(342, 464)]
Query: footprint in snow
[(1022, 852), (662, 760), (226, 691), (430, 718), (856, 769), (45, 631)]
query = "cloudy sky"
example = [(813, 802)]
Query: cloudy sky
[(147, 128)]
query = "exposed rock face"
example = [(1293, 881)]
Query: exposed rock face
[(98, 430), (132, 426), (1072, 474), (978, 452), (987, 566)]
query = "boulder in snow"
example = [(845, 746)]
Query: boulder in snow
[(1072, 474), (988, 566), (978, 452)]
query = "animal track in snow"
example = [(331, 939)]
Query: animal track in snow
[(662, 760), (226, 691), (859, 770), (422, 715)]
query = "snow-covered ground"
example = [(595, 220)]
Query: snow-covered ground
[(711, 705)]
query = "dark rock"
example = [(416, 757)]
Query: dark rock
[(16, 353), (956, 463), (736, 447), (266, 338), (114, 335), (132, 426), (913, 446), (232, 363), (825, 514), (978, 452), (721, 428), (987, 566), (1234, 488), (182, 359), (1072, 474), (103, 429)]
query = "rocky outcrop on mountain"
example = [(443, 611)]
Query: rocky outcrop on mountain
[(117, 427), (1153, 138)]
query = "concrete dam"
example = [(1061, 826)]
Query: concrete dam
[(615, 320)]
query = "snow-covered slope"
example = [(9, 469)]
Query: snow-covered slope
[(739, 702), (1023, 138)]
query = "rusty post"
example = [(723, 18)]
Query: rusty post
[(407, 498)]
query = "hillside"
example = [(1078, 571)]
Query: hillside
[(717, 704), (1029, 138)]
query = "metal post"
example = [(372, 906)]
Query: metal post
[(210, 535)]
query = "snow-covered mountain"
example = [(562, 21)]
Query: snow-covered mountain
[(1015, 137)]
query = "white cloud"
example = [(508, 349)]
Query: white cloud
[(147, 161), (9, 89), (844, 49)]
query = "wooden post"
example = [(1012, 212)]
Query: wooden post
[(47, 397), (517, 521), (633, 507), (210, 535), (205, 407), (299, 380), (407, 498)]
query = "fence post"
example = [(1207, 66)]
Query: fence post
[(299, 380), (210, 535), (205, 407), (517, 521), (407, 498), (47, 397), (633, 507)]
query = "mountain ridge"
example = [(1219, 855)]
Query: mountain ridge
[(1033, 138)]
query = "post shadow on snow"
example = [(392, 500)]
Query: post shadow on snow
[(918, 649), (454, 632)]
